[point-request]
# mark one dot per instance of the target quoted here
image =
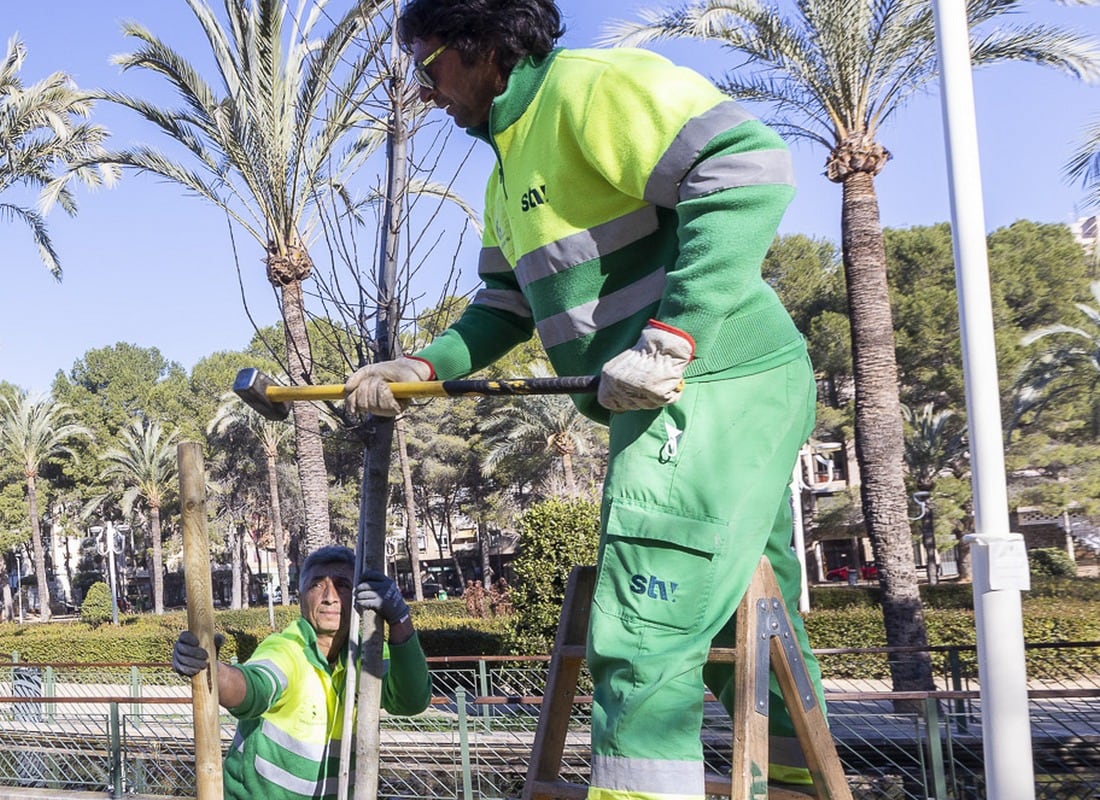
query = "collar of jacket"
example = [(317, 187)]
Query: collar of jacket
[(313, 653), (524, 82)]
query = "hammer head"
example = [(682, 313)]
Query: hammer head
[(251, 386)]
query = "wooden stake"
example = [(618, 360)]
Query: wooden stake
[(200, 621)]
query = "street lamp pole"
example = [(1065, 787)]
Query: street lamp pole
[(999, 556), (107, 545)]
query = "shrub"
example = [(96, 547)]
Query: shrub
[(555, 536), (96, 608), (1052, 562)]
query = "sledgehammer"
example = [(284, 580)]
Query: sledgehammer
[(272, 401)]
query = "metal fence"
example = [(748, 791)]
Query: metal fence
[(126, 729)]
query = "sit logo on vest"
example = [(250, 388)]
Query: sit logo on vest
[(535, 196), (654, 587)]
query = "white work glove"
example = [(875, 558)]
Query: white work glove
[(651, 373), (368, 390)]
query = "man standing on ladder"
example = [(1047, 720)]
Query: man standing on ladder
[(288, 697), (626, 220)]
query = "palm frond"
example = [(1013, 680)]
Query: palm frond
[(1084, 165)]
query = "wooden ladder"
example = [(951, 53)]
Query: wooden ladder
[(764, 641)]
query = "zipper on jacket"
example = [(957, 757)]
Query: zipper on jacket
[(492, 139)]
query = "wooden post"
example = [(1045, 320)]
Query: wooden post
[(200, 621)]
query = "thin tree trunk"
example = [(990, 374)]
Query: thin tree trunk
[(44, 612), (483, 547), (928, 537), (879, 434), (410, 508), (307, 423), (277, 526), (449, 522), (370, 549), (7, 609), (158, 560)]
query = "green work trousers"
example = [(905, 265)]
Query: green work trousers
[(695, 493)]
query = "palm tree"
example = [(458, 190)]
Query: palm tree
[(539, 426), (146, 465), (1084, 165), (931, 448), (271, 436), (1068, 367), (33, 430), (834, 73), (41, 131), (277, 129)]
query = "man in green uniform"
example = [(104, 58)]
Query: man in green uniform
[(288, 696), (626, 220)]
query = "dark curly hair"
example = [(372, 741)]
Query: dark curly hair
[(510, 29)]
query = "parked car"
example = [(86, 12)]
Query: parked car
[(867, 572)]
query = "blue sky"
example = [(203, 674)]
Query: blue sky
[(147, 265)]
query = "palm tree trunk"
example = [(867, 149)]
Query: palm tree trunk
[(44, 612), (879, 434), (411, 545), (158, 560), (277, 526), (567, 470), (307, 423)]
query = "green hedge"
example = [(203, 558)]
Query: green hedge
[(952, 594), (444, 629), (843, 617)]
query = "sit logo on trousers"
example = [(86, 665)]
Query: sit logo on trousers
[(654, 587)]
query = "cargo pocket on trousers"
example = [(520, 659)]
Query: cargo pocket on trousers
[(658, 566)]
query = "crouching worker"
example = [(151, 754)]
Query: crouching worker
[(288, 698)]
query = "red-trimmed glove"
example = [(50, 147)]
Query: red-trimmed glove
[(651, 373), (368, 390)]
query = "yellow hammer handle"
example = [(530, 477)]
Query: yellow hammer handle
[(335, 391), (578, 384)]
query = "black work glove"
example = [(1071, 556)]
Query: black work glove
[(379, 593), (189, 657)]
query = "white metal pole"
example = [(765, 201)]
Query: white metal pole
[(110, 534), (19, 583), (799, 533), (270, 589), (999, 558)]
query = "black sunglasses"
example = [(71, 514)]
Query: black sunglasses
[(420, 69)]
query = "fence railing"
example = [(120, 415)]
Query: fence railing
[(126, 729)]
